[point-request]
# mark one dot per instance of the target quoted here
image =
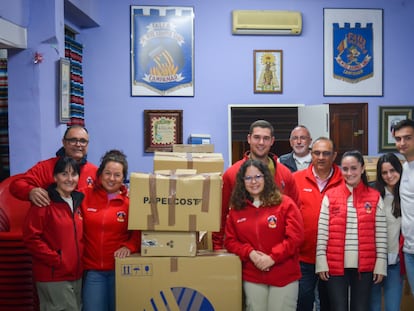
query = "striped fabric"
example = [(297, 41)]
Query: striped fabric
[(73, 52), (4, 121)]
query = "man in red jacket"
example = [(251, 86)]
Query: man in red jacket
[(260, 138), (321, 175), (33, 184)]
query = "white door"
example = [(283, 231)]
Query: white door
[(316, 119)]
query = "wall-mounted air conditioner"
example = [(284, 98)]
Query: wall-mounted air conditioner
[(265, 22)]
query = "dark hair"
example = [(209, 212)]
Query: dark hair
[(72, 127), (113, 156), (360, 158), (380, 184), (323, 138), (403, 123), (263, 124), (270, 194), (64, 162)]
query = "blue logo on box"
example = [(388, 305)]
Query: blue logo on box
[(187, 299)]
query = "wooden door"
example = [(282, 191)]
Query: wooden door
[(349, 127)]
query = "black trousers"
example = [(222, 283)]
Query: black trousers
[(360, 286)]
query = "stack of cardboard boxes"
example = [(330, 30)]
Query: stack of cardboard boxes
[(171, 207)]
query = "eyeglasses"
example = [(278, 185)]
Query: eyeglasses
[(323, 153), (74, 141), (250, 179), (299, 137)]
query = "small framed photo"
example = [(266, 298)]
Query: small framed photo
[(267, 71), (64, 90), (388, 117), (162, 129)]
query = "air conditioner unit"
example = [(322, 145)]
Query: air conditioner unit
[(265, 22)]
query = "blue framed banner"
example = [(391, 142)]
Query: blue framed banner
[(353, 47), (162, 51)]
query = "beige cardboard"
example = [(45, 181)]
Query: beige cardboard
[(168, 243), (175, 202), (142, 282), (202, 162), (407, 302), (193, 148)]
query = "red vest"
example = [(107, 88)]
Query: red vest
[(365, 202)]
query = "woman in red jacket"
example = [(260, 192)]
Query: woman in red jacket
[(106, 234), (265, 229), (53, 235)]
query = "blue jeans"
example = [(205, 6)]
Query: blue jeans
[(307, 285), (360, 284), (98, 292), (393, 287), (409, 266)]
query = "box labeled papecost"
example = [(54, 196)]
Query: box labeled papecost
[(202, 162), (170, 202), (168, 243), (207, 282)]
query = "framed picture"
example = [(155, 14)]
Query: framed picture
[(388, 117), (64, 90), (162, 51), (353, 48), (267, 71), (162, 129)]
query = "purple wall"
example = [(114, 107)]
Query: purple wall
[(223, 75)]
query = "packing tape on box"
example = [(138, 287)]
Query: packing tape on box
[(173, 264), (153, 219)]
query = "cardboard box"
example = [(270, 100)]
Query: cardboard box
[(202, 162), (193, 148), (175, 202), (204, 282), (168, 243), (199, 139)]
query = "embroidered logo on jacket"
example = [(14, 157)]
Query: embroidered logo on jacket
[(368, 207), (272, 221), (121, 216)]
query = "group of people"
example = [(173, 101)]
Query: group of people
[(77, 225), (308, 231), (311, 233)]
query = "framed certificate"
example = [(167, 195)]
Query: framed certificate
[(163, 129)]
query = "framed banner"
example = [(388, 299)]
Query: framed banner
[(353, 47), (162, 51), (162, 129), (388, 117), (267, 71)]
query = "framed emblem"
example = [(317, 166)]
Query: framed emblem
[(162, 57), (353, 47)]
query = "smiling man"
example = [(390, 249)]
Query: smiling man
[(300, 158), (260, 138), (31, 186), (404, 141), (313, 182)]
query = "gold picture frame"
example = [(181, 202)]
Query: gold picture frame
[(162, 129), (268, 75)]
